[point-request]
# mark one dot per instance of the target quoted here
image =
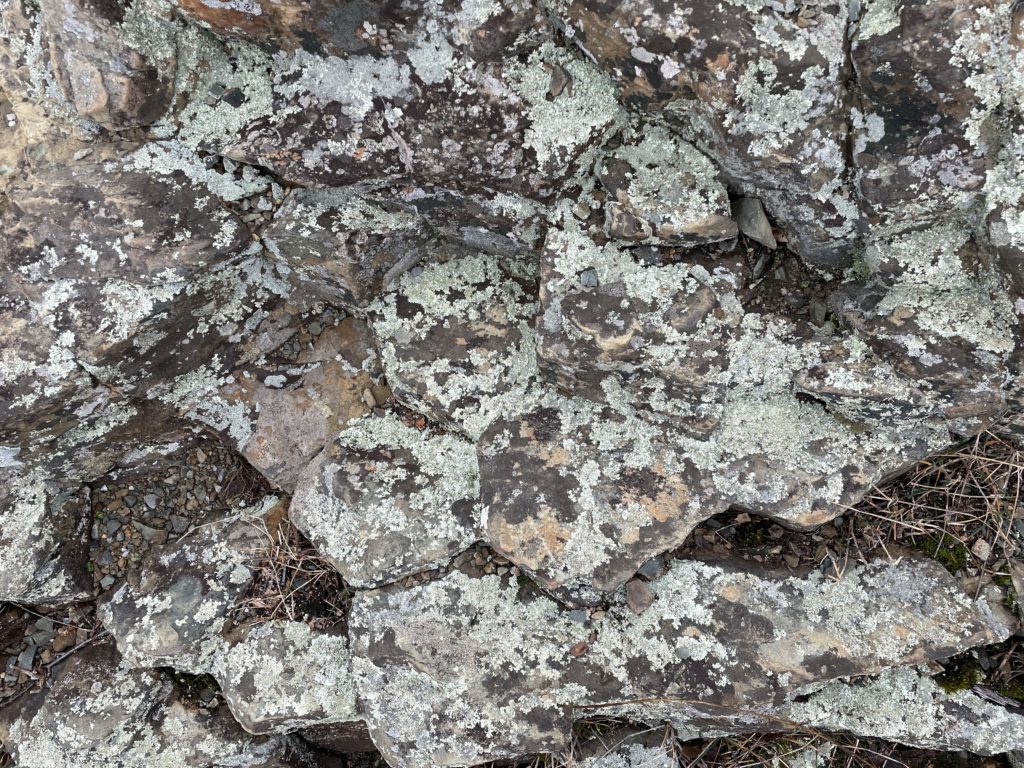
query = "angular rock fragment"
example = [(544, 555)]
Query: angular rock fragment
[(752, 222), (760, 89), (172, 611), (661, 189), (281, 676), (104, 78), (908, 707), (294, 404), (101, 712), (386, 499), (509, 669), (457, 341)]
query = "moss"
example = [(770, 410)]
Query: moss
[(1013, 690), (950, 552), (962, 672)]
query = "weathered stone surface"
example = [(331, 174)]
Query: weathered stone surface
[(282, 676), (457, 339), (173, 609), (293, 404), (386, 499), (99, 73), (625, 748), (102, 713), (661, 189), (509, 669), (760, 88)]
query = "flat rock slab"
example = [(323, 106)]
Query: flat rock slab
[(457, 339), (462, 670), (281, 676), (102, 713), (172, 610), (387, 499)]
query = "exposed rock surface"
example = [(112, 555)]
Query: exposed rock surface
[(494, 301)]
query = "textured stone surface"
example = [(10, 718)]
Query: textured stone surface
[(386, 499), (102, 713), (281, 676), (477, 649)]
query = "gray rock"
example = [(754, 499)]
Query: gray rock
[(385, 500), (457, 340), (281, 676), (752, 222), (434, 661), (173, 609), (101, 713)]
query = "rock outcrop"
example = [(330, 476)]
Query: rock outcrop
[(493, 304)]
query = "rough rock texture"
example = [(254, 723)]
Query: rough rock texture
[(532, 288), (715, 632), (101, 712)]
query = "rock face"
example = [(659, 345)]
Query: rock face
[(714, 633), (494, 303)]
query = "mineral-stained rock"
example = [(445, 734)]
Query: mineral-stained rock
[(386, 499), (281, 676), (463, 669), (296, 403), (172, 610), (105, 79), (759, 88), (661, 189), (923, 98), (101, 713), (457, 340)]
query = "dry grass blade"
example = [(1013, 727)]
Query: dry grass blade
[(292, 581)]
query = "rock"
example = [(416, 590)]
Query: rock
[(484, 650), (624, 747), (100, 712), (281, 428), (758, 89), (281, 676), (752, 222), (172, 610), (98, 71), (457, 341), (906, 706), (638, 596), (345, 246), (385, 500), (661, 189)]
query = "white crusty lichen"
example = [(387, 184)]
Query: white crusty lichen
[(492, 370), (282, 676), (382, 517), (437, 695), (906, 706), (560, 128)]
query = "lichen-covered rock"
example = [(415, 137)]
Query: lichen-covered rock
[(626, 748), (661, 189), (297, 402), (387, 499), (101, 713), (281, 676), (172, 610), (920, 139), (461, 670), (99, 73), (457, 339), (761, 88)]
